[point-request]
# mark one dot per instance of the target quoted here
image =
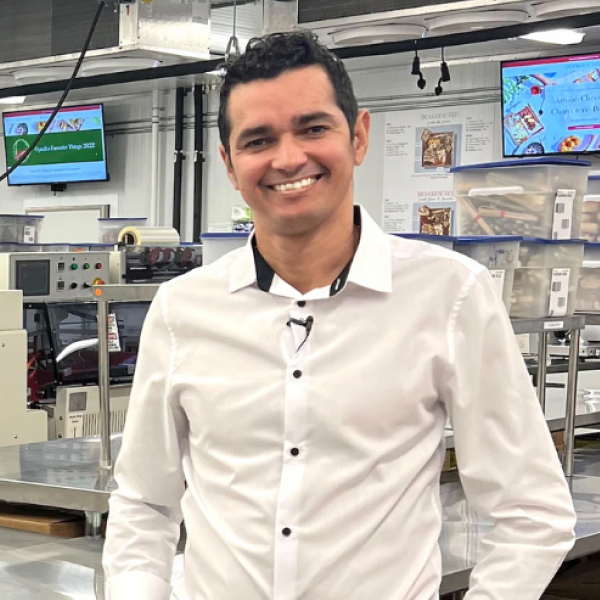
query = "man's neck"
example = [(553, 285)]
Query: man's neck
[(308, 262)]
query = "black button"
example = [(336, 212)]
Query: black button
[(295, 451), (301, 303), (286, 531), (297, 374)]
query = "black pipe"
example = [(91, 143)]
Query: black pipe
[(179, 157), (199, 160), (205, 66)]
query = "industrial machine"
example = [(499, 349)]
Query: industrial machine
[(18, 424), (589, 346), (57, 319), (153, 264)]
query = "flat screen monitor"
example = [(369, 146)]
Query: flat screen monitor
[(73, 150), (551, 106)]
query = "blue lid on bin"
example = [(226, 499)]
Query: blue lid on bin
[(426, 237), (488, 239), (240, 235), (537, 162), (594, 178), (533, 240)]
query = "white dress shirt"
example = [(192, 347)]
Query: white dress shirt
[(312, 463)]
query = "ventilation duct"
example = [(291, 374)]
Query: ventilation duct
[(41, 33)]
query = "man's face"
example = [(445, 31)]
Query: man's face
[(292, 157)]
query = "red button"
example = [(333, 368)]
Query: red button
[(98, 265)]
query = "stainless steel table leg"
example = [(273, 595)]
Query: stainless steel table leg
[(542, 369), (571, 403), (93, 524), (104, 384)]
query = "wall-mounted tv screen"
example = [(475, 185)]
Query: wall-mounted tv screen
[(551, 105), (73, 150)]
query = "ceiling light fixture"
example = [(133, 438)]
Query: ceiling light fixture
[(12, 100), (377, 34), (463, 21), (564, 8), (562, 37)]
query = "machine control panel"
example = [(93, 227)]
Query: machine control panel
[(54, 276)]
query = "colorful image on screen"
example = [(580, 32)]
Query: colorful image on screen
[(551, 105), (72, 150)]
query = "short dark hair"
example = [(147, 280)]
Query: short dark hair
[(269, 56)]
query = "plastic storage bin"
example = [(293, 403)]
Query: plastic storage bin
[(55, 248), (499, 254), (540, 198), (546, 283), (216, 245), (588, 293), (590, 217), (110, 228), (445, 241), (20, 228), (28, 247)]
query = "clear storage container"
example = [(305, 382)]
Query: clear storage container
[(55, 248), (111, 228), (590, 217), (445, 241), (588, 293), (499, 254), (533, 198), (216, 245), (546, 283), (28, 247), (20, 228)]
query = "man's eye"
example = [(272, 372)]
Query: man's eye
[(256, 143), (316, 130)]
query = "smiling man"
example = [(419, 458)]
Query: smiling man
[(300, 386)]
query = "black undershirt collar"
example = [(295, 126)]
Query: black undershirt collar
[(265, 274)]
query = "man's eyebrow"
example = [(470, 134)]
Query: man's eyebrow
[(311, 117), (251, 132)]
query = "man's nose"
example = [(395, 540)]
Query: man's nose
[(289, 156)]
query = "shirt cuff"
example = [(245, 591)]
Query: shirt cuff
[(137, 584)]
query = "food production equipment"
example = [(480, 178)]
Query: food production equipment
[(18, 424), (58, 317)]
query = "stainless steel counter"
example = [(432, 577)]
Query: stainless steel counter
[(60, 473), (34, 567)]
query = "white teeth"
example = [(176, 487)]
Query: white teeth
[(297, 185)]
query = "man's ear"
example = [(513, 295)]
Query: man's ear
[(227, 161), (361, 136)]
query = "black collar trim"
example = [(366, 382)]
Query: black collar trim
[(265, 273)]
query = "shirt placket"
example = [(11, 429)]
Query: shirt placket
[(294, 458)]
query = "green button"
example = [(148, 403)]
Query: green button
[(74, 267), (86, 266)]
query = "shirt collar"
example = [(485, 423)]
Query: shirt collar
[(371, 266)]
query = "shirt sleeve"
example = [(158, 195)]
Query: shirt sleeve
[(145, 516), (506, 458)]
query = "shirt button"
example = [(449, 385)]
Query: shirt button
[(286, 531), (295, 451), (301, 303), (297, 374)]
